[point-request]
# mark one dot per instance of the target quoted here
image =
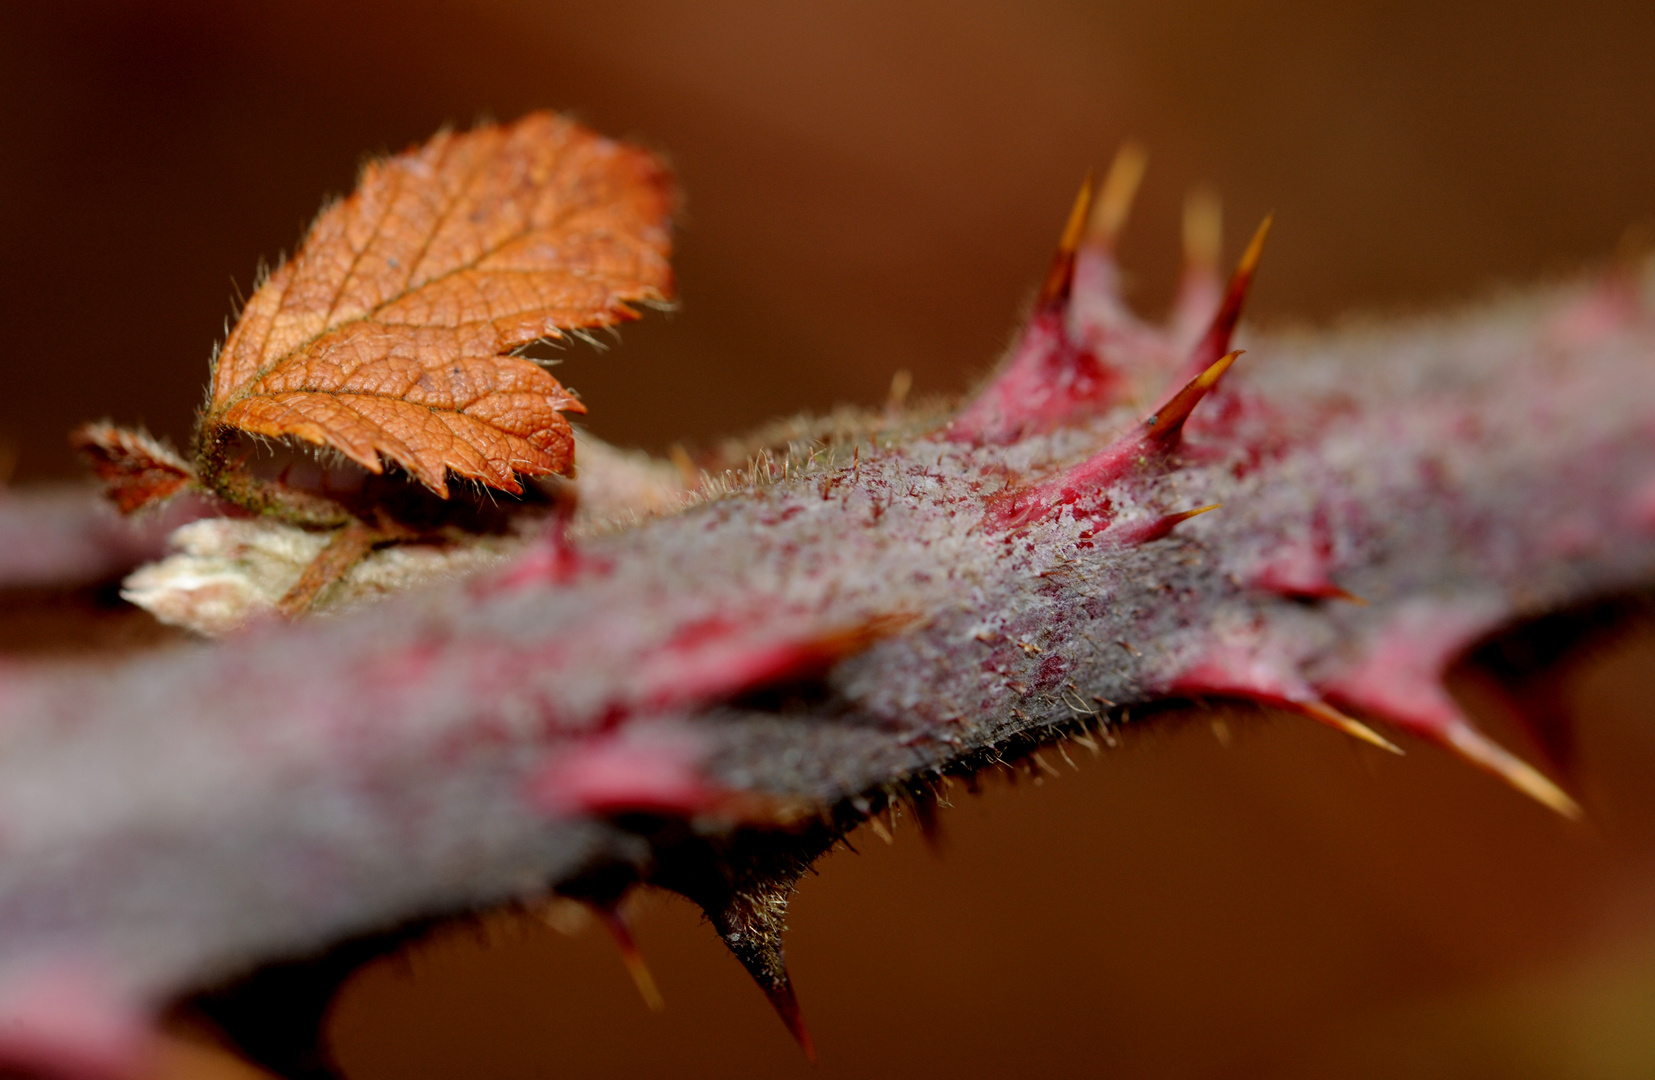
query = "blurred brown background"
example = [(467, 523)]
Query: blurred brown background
[(874, 186)]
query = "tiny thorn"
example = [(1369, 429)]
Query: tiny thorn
[(632, 959), (930, 823), (1045, 766), (1185, 515), (1203, 230), (1327, 714), (1115, 195), (1217, 338), (1168, 421), (1336, 593), (1055, 290), (1483, 752), (1156, 529), (880, 830)]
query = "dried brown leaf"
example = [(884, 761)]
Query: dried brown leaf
[(389, 332), (136, 468)]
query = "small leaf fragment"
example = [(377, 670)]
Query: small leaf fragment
[(136, 469)]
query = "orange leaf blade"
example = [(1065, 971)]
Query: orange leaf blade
[(389, 332)]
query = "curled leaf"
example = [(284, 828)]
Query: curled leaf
[(390, 332)]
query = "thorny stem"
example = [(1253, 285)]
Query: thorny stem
[(706, 700)]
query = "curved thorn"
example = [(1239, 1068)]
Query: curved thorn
[(1115, 195), (1327, 714), (1055, 290)]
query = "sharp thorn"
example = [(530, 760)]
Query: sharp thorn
[(1055, 290), (1217, 338), (762, 957), (1248, 265), (880, 830), (786, 1003), (1483, 752), (1115, 195), (1168, 421), (1327, 714), (1184, 515), (632, 959), (1155, 529), (1203, 230), (751, 917)]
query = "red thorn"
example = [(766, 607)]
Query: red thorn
[(1252, 673), (1217, 339), (1047, 379), (631, 958), (1399, 679), (1154, 529), (1168, 422), (1300, 567), (1055, 290), (718, 657), (1151, 441), (786, 1003)]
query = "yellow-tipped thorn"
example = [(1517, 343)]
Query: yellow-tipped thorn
[(1217, 338), (1062, 272), (1171, 416), (1483, 752), (1327, 714), (1255, 248), (880, 830), (1203, 229), (1119, 188), (633, 961), (1185, 515)]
